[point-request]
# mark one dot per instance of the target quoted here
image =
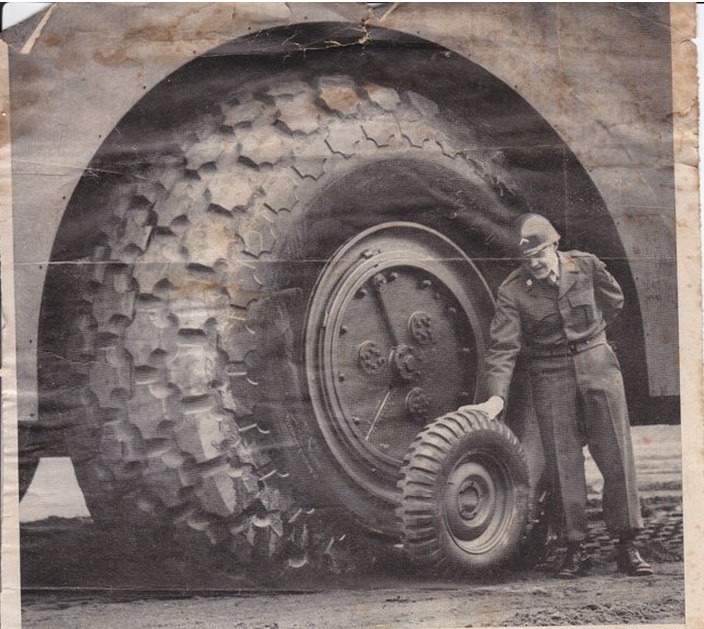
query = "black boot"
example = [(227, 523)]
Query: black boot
[(576, 562), (629, 561)]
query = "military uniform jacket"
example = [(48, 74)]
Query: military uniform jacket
[(538, 318)]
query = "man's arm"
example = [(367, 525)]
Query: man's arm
[(505, 345), (607, 292)]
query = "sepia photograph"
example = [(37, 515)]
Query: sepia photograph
[(351, 315)]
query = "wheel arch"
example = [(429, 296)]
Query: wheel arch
[(497, 111)]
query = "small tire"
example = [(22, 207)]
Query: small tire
[(464, 495)]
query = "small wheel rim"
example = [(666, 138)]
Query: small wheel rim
[(478, 502), (393, 340)]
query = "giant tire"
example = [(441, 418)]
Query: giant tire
[(464, 495), (204, 408)]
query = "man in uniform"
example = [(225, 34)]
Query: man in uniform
[(554, 310)]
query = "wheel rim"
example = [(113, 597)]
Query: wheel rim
[(394, 335), (478, 502)]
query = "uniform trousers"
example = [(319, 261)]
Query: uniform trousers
[(580, 399)]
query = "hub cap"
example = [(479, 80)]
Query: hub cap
[(393, 340), (478, 495)]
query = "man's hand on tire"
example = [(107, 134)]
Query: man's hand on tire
[(492, 407)]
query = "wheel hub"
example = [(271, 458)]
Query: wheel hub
[(470, 500), (393, 340), (406, 363)]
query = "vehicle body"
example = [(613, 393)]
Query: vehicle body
[(442, 123)]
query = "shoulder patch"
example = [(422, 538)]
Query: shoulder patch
[(581, 259)]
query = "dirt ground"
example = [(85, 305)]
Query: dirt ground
[(76, 575), (528, 598)]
